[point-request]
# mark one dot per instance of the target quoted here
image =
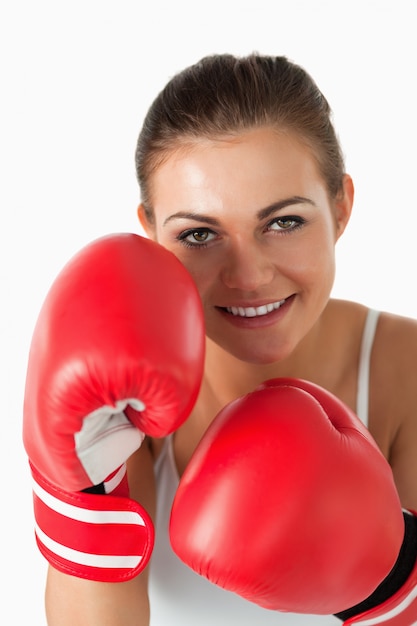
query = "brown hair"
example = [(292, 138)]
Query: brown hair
[(223, 95)]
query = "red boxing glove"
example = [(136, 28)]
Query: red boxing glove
[(399, 610), (394, 602), (288, 502), (117, 353)]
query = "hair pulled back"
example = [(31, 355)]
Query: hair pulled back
[(224, 95)]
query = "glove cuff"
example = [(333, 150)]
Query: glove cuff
[(98, 537)]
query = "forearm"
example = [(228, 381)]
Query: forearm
[(71, 600)]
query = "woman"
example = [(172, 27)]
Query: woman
[(242, 178)]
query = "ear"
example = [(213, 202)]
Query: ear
[(343, 205), (147, 227)]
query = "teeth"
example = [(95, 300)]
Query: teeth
[(252, 311)]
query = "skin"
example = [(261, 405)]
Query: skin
[(246, 186), (264, 230)]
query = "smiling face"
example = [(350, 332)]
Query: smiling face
[(250, 218)]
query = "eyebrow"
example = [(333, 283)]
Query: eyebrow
[(282, 204), (261, 214)]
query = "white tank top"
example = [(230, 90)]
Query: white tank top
[(178, 596)]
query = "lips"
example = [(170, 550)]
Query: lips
[(254, 311)]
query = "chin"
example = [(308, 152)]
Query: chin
[(260, 359), (258, 355), (256, 350)]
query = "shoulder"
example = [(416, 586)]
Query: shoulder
[(395, 350), (395, 338), (345, 314), (393, 369), (398, 324)]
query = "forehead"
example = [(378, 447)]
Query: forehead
[(252, 168)]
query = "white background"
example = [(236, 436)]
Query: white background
[(76, 79)]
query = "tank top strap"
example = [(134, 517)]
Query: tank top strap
[(166, 455), (362, 397)]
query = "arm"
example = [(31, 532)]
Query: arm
[(71, 600), (393, 401), (403, 455), (394, 602), (393, 419)]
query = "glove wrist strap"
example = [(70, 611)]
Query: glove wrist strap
[(97, 537)]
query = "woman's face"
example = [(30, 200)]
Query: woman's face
[(251, 220)]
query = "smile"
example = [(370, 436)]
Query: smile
[(255, 311)]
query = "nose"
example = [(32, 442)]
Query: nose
[(246, 267)]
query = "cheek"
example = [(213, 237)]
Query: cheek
[(199, 267), (319, 248), (322, 269), (310, 266), (205, 279), (308, 258)]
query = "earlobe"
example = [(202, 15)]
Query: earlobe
[(344, 205)]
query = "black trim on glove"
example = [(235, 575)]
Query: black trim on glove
[(96, 489)]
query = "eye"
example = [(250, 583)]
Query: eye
[(286, 224), (196, 237)]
